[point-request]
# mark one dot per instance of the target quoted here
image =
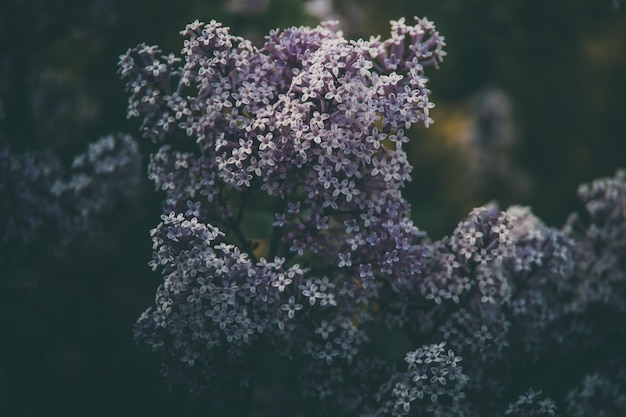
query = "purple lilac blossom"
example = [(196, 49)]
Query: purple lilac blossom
[(434, 376), (315, 121), (310, 128), (601, 248)]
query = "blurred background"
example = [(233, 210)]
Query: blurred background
[(530, 102)]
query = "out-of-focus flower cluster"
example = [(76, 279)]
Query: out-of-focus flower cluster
[(531, 404), (38, 200), (602, 245), (309, 129)]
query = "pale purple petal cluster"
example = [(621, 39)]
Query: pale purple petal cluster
[(432, 384), (284, 229), (541, 277), (314, 125), (601, 248), (214, 301)]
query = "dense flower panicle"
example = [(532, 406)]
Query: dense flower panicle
[(313, 120), (496, 284), (170, 169), (604, 200), (601, 244), (309, 109), (432, 384), (465, 289), (191, 263), (540, 273), (469, 263), (299, 119), (307, 134)]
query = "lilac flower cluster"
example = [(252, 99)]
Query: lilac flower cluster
[(602, 243), (38, 199), (25, 183), (284, 230), (530, 404), (490, 290), (318, 123), (215, 302), (433, 374)]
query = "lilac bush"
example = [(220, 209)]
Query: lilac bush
[(284, 230)]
